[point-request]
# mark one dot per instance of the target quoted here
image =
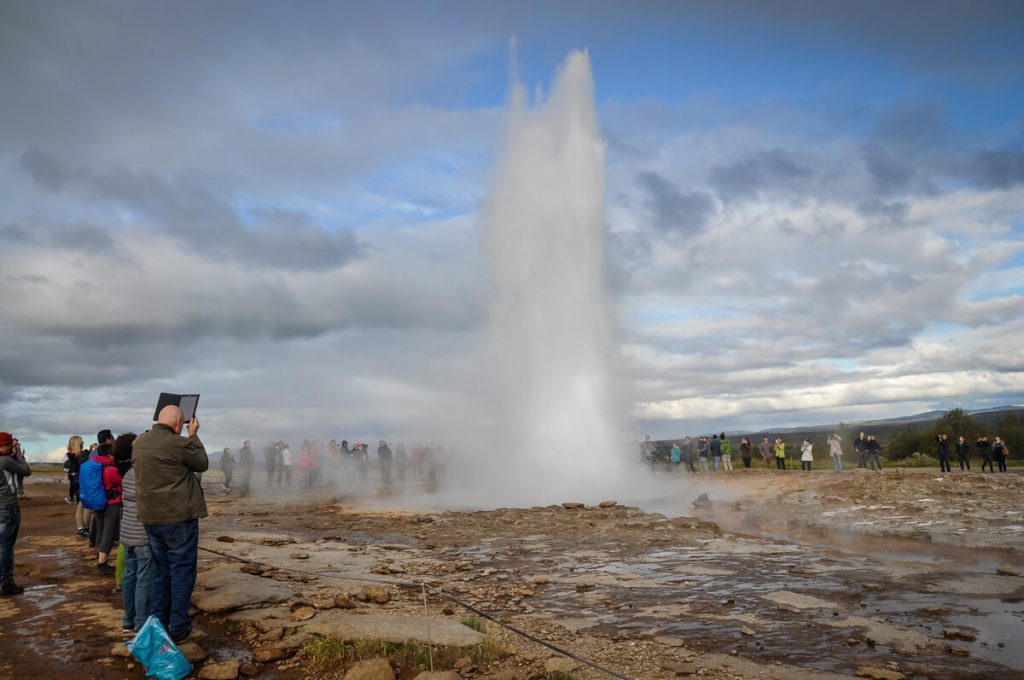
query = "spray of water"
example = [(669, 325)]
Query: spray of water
[(554, 420)]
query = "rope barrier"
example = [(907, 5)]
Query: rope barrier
[(436, 591)]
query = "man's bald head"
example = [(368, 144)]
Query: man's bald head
[(172, 417)]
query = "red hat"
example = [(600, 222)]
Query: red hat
[(6, 438)]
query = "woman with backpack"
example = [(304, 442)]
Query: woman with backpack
[(100, 489)]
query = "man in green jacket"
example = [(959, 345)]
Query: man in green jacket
[(170, 502)]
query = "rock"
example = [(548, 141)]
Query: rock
[(560, 664), (573, 506), (225, 670), (607, 504), (191, 651), (120, 650), (540, 580), (580, 587), (299, 556), (702, 501), (225, 589), (324, 604), (371, 669), (669, 641), (679, 668), (526, 592), (254, 569), (1007, 570), (505, 675), (957, 651), (877, 673), (798, 601), (373, 593), (343, 602), (438, 675), (462, 663), (303, 614), (268, 653), (747, 631), (225, 539), (965, 634), (273, 635), (396, 569), (249, 670)]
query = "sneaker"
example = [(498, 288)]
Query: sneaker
[(67, 499), (105, 568), (128, 630), (82, 533), (11, 588)]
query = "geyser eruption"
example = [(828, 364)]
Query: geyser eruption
[(555, 417)]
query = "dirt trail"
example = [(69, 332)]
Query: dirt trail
[(797, 576)]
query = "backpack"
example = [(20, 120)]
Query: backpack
[(91, 491)]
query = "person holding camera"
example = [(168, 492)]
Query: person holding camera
[(170, 502), (12, 465), (943, 441)]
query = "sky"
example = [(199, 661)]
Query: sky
[(814, 212)]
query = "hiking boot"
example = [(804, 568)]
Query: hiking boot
[(105, 568), (11, 588)]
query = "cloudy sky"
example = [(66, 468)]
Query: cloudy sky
[(814, 211)]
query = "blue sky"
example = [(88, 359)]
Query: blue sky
[(813, 210)]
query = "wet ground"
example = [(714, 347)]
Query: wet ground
[(773, 575)]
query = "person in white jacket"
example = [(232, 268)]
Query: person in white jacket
[(806, 456)]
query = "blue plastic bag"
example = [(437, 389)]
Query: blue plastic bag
[(156, 651)]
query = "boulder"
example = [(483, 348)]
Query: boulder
[(573, 506), (191, 651), (374, 593), (371, 669), (607, 504), (225, 670)]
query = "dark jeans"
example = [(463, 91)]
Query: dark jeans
[(805, 465), (73, 488), (862, 458), (780, 463), (965, 462), (10, 522), (944, 463), (175, 549), (746, 463), (136, 585)]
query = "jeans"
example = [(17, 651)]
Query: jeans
[(175, 550), (862, 458), (10, 523), (715, 462), (780, 462), (703, 463), (837, 462), (136, 586)]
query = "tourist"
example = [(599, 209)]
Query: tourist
[(170, 503), (873, 450), (860, 448), (11, 464), (675, 456), (19, 478), (806, 455), (689, 455), (227, 466), (384, 459), (246, 461), (71, 468), (984, 447), (726, 451), (314, 463), (745, 449), (284, 464), (138, 561), (106, 510), (963, 453), (780, 453), (401, 460), (835, 450), (1000, 453), (703, 449), (765, 449), (943, 442), (716, 452)]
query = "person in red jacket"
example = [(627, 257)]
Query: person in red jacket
[(108, 520)]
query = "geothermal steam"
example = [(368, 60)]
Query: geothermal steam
[(542, 226)]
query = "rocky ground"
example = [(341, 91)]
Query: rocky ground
[(770, 575)]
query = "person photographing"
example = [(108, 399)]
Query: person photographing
[(12, 465), (170, 503)]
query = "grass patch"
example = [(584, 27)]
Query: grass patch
[(475, 623), (327, 653), (561, 675)]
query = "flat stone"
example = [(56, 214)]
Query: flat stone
[(965, 634), (344, 602), (225, 670), (293, 642), (299, 556), (878, 673), (560, 664), (1007, 570), (573, 506), (371, 669), (607, 504), (747, 631), (303, 614), (669, 641), (225, 589), (398, 629)]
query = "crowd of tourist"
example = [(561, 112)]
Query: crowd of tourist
[(710, 455)]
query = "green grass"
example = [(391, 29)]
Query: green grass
[(330, 653), (475, 623), (559, 675)]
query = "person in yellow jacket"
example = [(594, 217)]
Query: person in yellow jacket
[(780, 454)]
